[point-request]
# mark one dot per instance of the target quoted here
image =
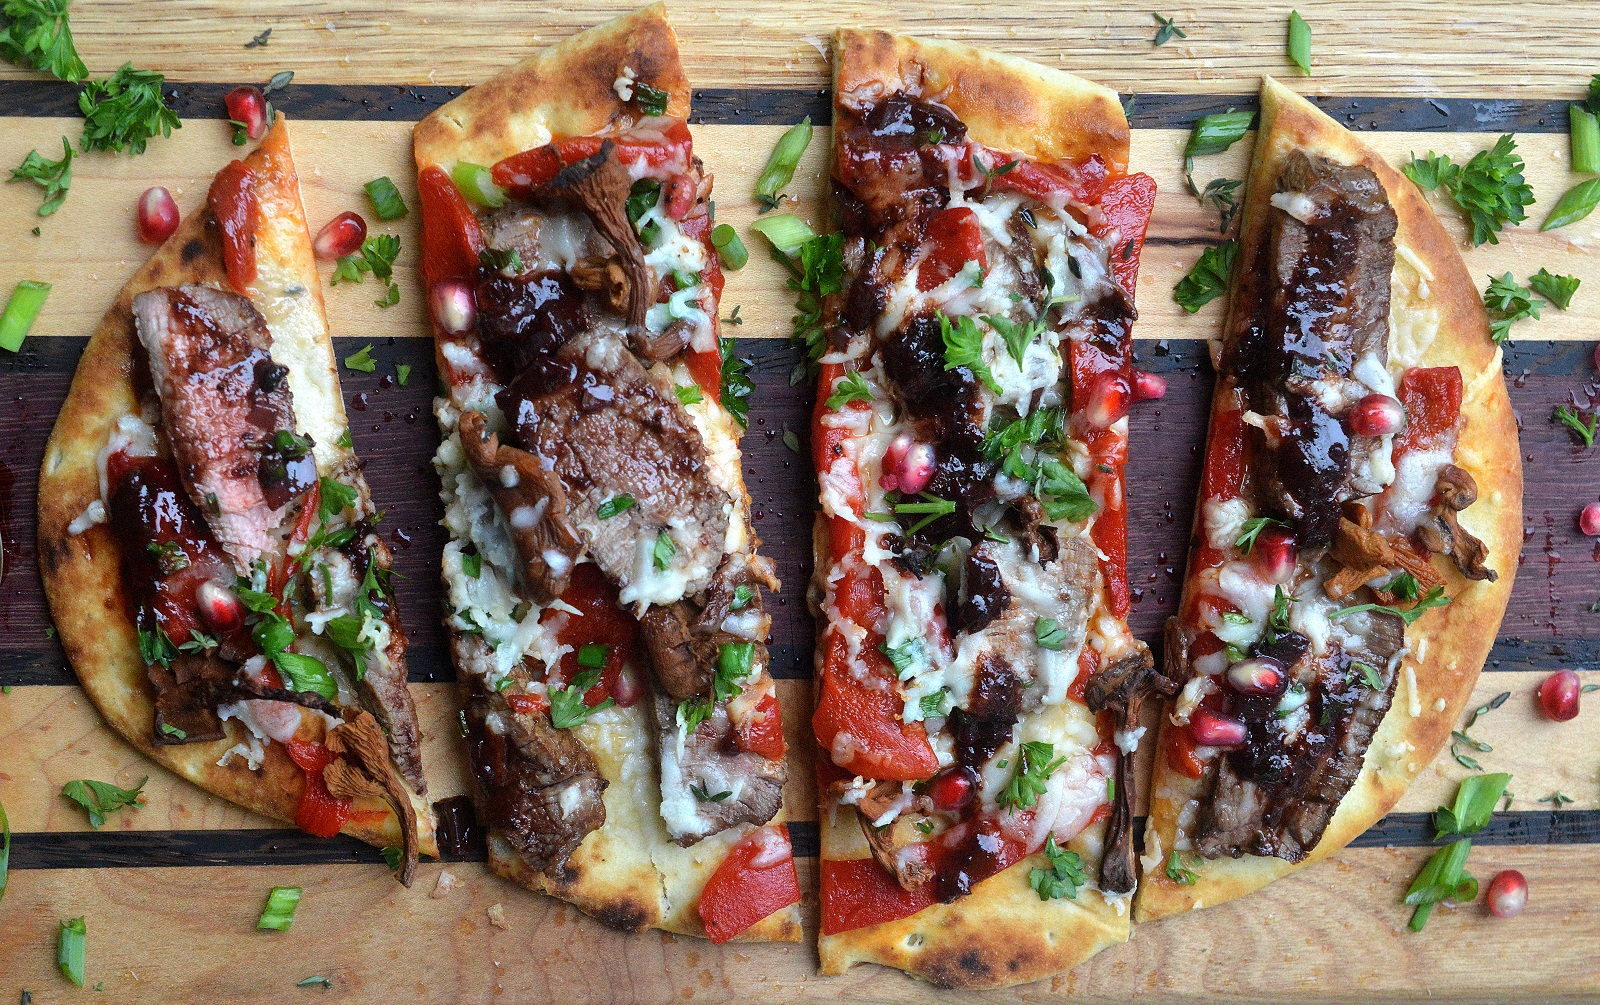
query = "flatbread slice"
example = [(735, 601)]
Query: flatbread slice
[(603, 585), (202, 459), (1371, 698), (977, 678)]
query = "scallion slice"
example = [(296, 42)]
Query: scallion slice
[(780, 166), (1575, 204), (278, 915), (1300, 42), (385, 198), (1212, 134), (1585, 140), (786, 232), (70, 946), (476, 182), (730, 248), (26, 301)]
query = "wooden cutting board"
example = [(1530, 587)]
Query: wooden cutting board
[(171, 891)]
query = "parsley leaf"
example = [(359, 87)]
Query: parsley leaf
[(815, 272), (1178, 872), (1062, 879), (1404, 586), (616, 504), (567, 708), (963, 346), (334, 497), (55, 177), (1036, 762), (1016, 337), (1508, 302), (1049, 634), (851, 387), (1574, 421), (1489, 188), (1208, 280), (100, 798), (736, 384), (35, 34), (376, 256), (125, 110), (1556, 289), (361, 360)]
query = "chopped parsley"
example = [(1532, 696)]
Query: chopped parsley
[(736, 384), (1064, 876), (506, 261), (377, 255), (851, 387), (816, 271), (124, 111), (963, 346), (1178, 872), (567, 708), (1049, 634), (1036, 762), (616, 504), (55, 177), (1043, 425), (1489, 188), (402, 374), (1252, 530), (35, 34), (1208, 280), (1369, 674), (170, 556), (361, 360), (1508, 302), (101, 798), (1556, 289), (1403, 585), (1433, 598), (1016, 337), (334, 496)]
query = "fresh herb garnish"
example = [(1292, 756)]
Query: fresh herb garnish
[(1573, 420), (313, 982), (71, 944), (100, 798), (593, 655), (816, 271), (1369, 674), (376, 256), (851, 387), (990, 173), (731, 251), (567, 708), (703, 796), (1036, 762), (1213, 134), (1049, 634), (736, 384), (1508, 302), (1443, 877), (651, 100), (664, 549), (1016, 337), (55, 177), (35, 34), (1064, 876), (385, 198), (1489, 188), (1042, 426), (692, 712), (963, 346), (361, 360), (742, 595), (124, 111), (791, 440), (933, 704), (260, 41), (278, 914), (1403, 586), (1433, 598), (616, 504), (903, 656), (1166, 30), (781, 164), (1556, 289), (1460, 736), (931, 508), (1575, 204), (1300, 42), (1178, 872), (1208, 280), (506, 261), (1556, 799), (1252, 530), (1222, 193), (472, 564), (688, 394), (735, 662), (334, 496)]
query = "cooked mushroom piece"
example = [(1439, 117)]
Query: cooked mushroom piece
[(599, 184)]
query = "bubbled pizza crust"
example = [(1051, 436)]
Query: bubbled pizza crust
[(1453, 641), (82, 574), (628, 873), (1001, 934)]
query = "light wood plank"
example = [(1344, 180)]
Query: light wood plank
[(1542, 48)]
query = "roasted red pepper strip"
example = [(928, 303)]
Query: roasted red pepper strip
[(521, 173), (859, 892), (756, 879), (451, 237), (232, 200), (953, 239), (604, 622), (762, 733), (1125, 207), (320, 813), (1432, 398)]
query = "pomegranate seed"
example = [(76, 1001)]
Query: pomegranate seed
[(219, 608), (1148, 386), (340, 236), (156, 215), (1377, 415), (907, 465), (680, 196), (1508, 894), (248, 107), (953, 788), (1261, 675), (1213, 730), (1558, 695), (1589, 520), (1108, 400), (454, 305), (626, 690), (1274, 554)]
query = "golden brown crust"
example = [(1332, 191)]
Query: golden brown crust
[(628, 873), (1447, 646), (1001, 934), (82, 573), (1007, 103)]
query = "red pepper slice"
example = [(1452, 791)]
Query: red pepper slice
[(954, 239), (858, 892), (232, 200), (1088, 666), (320, 813), (603, 622), (527, 704), (521, 173), (755, 880), (864, 722), (1181, 756), (1432, 398), (762, 733), (1125, 207), (451, 237)]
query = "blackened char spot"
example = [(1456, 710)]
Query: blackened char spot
[(192, 250), (526, 318)]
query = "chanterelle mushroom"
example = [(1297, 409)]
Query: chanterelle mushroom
[(600, 184)]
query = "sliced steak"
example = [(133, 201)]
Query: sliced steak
[(228, 413), (609, 429), (1276, 795), (684, 639), (537, 784), (1317, 303), (739, 787)]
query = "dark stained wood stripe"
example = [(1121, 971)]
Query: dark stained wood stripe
[(197, 848), (780, 106), (1547, 626)]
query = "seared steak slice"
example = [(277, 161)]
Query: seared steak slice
[(537, 784), (1276, 795), (610, 430), (1315, 303), (228, 413), (739, 787), (685, 638)]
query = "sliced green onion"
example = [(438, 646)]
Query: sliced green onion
[(24, 305), (70, 945), (786, 232), (1578, 202), (593, 655), (476, 182), (730, 248), (385, 198), (1300, 42), (1212, 134), (278, 915), (306, 673), (780, 166), (1585, 140)]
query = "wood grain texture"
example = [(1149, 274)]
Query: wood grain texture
[(186, 934)]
